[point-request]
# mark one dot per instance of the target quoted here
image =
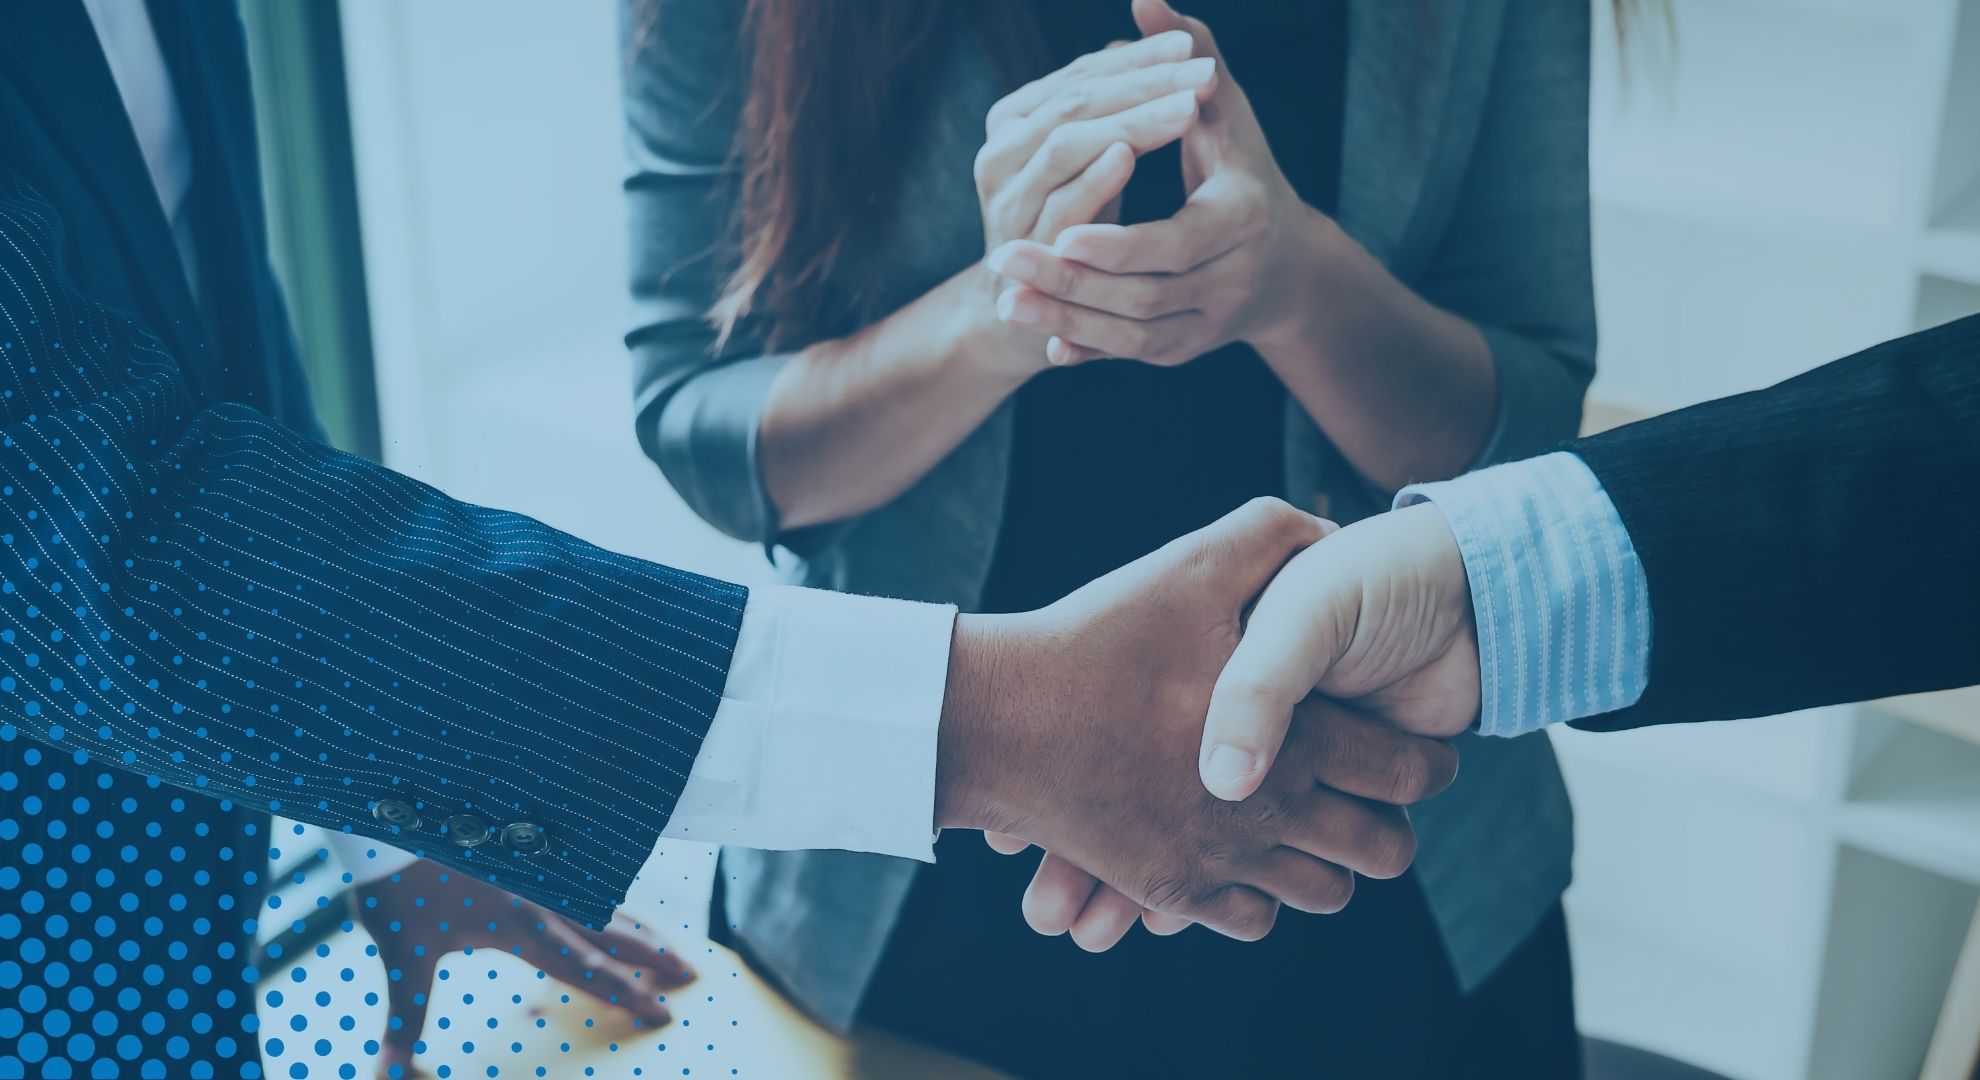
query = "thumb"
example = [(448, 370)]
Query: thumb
[(1297, 630), (1153, 17), (408, 991)]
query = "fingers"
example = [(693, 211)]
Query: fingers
[(1062, 353), (583, 959), (1151, 49), (1302, 882), (407, 990), (1134, 296), (1211, 223), (1367, 837), (1057, 895), (1004, 843), (1082, 199), (1107, 918), (1298, 628), (1240, 912), (1246, 547), (1013, 204), (1160, 340), (1163, 925), (652, 962), (1156, 17), (1008, 147), (1359, 756)]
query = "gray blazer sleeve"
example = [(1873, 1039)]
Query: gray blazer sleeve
[(1514, 257), (696, 409)]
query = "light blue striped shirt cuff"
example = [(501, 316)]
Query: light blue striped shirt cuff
[(1562, 605)]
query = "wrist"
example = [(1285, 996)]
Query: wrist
[(975, 766), (1287, 322), (980, 342)]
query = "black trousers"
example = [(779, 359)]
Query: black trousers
[(1365, 993)]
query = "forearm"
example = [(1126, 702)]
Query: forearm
[(1825, 551), (1406, 390), (852, 423), (203, 597)]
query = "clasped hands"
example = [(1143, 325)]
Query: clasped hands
[(1311, 720), (1082, 726)]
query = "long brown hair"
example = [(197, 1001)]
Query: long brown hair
[(832, 88)]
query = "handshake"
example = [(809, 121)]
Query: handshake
[(1159, 734)]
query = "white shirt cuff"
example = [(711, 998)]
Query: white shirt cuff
[(826, 733)]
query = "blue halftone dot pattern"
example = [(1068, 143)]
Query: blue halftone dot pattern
[(206, 618)]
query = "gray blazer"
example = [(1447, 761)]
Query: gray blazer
[(1464, 169)]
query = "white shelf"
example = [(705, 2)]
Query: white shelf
[(1949, 712), (1915, 797), (1955, 177), (1951, 247), (1894, 937)]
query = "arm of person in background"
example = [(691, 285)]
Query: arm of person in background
[(204, 597), (1808, 544), (762, 443), (1486, 359)]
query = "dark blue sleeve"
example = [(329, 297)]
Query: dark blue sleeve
[(199, 595)]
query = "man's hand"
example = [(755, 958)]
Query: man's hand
[(1075, 727), (1378, 615), (426, 911)]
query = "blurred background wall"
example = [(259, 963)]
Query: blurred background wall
[(1782, 182)]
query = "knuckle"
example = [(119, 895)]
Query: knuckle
[(1061, 148), (980, 168), (1250, 916), (1396, 851), (1338, 890), (1170, 893), (1000, 208), (1064, 278), (1072, 101), (1274, 811), (1408, 778)]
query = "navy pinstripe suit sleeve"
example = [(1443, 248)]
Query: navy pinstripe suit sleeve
[(201, 596)]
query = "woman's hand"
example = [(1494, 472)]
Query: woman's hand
[(1404, 389), (851, 423), (1221, 270), (1058, 151)]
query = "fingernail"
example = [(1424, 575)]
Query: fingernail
[(1073, 245), (1013, 264), (1017, 309), (1174, 37), (1229, 764), (1196, 72)]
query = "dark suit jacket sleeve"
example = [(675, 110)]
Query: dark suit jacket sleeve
[(1814, 543), (201, 596)]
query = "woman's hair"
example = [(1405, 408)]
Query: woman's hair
[(835, 88)]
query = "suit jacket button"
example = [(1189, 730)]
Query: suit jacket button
[(525, 838), (466, 830), (396, 813)]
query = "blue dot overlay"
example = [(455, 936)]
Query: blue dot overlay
[(206, 619)]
